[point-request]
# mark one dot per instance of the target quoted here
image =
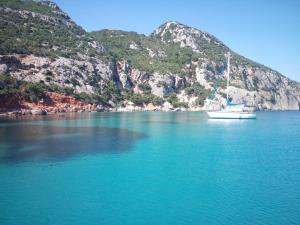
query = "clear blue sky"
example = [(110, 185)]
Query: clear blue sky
[(266, 31)]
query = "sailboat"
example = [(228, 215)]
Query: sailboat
[(231, 110)]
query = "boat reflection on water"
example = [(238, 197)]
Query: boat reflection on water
[(225, 121)]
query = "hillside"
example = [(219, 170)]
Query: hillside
[(42, 46)]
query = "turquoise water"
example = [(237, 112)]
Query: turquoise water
[(150, 168)]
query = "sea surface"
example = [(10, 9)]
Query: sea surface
[(150, 168)]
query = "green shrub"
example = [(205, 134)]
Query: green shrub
[(83, 96), (198, 90), (74, 82), (139, 99), (145, 87), (110, 92), (68, 91), (180, 104), (9, 85), (34, 91), (157, 100), (172, 98)]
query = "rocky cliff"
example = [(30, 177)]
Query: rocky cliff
[(178, 64)]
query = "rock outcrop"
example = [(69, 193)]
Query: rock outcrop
[(54, 103)]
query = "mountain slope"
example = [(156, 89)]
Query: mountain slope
[(179, 52), (40, 43), (176, 63), (250, 81), (43, 29), (146, 54)]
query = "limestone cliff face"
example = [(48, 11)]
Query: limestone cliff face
[(263, 88), (174, 32), (43, 44)]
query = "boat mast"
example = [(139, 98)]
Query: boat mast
[(228, 68)]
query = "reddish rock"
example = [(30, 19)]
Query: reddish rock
[(55, 103)]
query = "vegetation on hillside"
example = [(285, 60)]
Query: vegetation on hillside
[(31, 35), (34, 92), (30, 5), (10, 86), (146, 53), (199, 91)]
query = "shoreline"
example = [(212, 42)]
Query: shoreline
[(21, 114), (44, 112)]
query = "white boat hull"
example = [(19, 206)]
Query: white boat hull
[(231, 115)]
